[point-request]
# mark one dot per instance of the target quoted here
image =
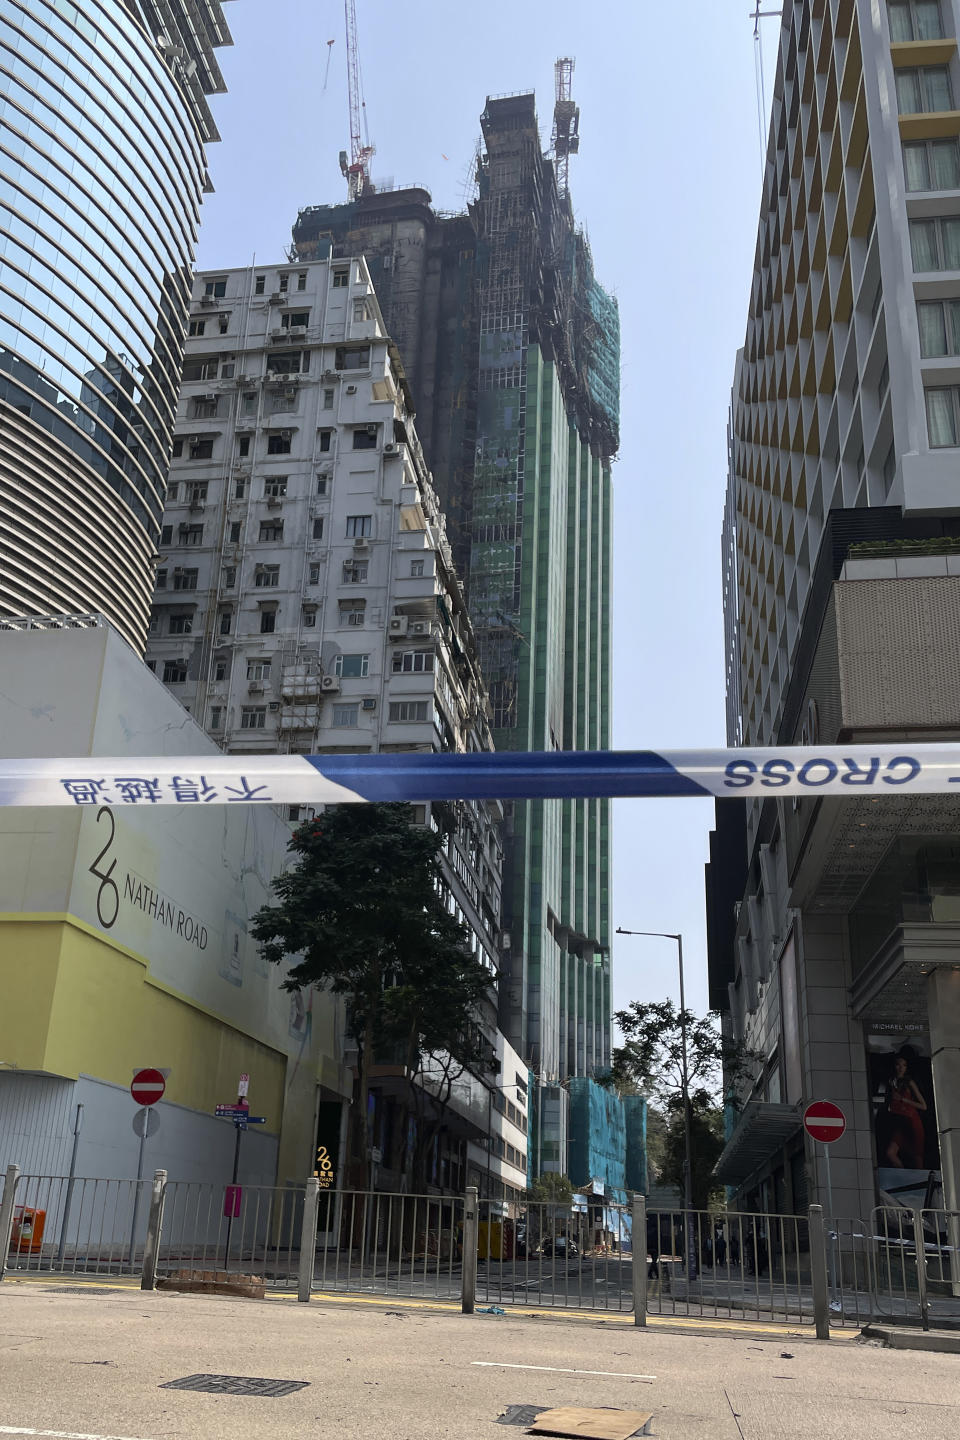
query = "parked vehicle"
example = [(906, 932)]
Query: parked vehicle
[(561, 1246)]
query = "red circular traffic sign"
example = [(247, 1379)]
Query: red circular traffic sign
[(824, 1121), (147, 1087)]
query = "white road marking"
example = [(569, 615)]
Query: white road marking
[(558, 1370), (58, 1434)]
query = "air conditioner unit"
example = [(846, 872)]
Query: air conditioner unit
[(368, 704), (329, 683), (391, 449), (420, 627), (274, 502), (255, 687), (297, 332), (208, 299), (274, 704), (351, 389), (361, 544), (399, 624)]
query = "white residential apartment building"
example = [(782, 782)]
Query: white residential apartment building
[(306, 599)]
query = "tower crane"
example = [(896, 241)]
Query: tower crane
[(356, 165)]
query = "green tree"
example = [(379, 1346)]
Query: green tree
[(651, 1059), (361, 916), (552, 1189)]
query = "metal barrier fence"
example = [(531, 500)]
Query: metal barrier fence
[(390, 1244), (899, 1265), (724, 1265), (52, 1224), (249, 1229), (550, 1255)]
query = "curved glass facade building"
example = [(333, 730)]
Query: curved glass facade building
[(103, 123)]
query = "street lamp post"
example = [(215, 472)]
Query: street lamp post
[(685, 1090)]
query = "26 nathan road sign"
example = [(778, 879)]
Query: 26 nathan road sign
[(824, 1121), (849, 770), (148, 1087)]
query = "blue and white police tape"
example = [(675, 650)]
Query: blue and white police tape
[(848, 770)]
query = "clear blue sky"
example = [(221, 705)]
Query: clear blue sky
[(667, 184)]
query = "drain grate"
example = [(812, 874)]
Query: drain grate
[(235, 1385), (80, 1289)]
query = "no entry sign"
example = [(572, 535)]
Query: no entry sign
[(148, 1087), (824, 1121)]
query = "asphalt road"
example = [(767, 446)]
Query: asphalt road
[(90, 1364)]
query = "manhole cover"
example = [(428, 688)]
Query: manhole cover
[(236, 1385)]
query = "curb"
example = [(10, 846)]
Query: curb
[(899, 1338)]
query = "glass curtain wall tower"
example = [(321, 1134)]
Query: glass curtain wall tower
[(103, 123)]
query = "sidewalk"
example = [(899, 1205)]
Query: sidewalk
[(89, 1360)]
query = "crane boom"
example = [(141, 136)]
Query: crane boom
[(357, 167)]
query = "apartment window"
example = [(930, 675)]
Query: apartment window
[(295, 317), (321, 484), (260, 285), (345, 716), (355, 572), (935, 244), (278, 444), (223, 324), (341, 279), (173, 490), (939, 322), (923, 90), (191, 535), (268, 622), (271, 532), (288, 362), (266, 577), (166, 535), (283, 402), (325, 440), (220, 670), (365, 438), (408, 711), (328, 399), (229, 577), (154, 625), (205, 369), (914, 20), (943, 428), (226, 622), (235, 528), (318, 528), (243, 447), (197, 494), (217, 288), (416, 568), (174, 672), (352, 667), (258, 669), (361, 310), (302, 280), (176, 452), (308, 618), (205, 407), (354, 357), (216, 717), (284, 283), (253, 717), (197, 327), (359, 527), (412, 662), (239, 489), (352, 611), (314, 574), (249, 402), (201, 448), (161, 579), (180, 625), (275, 488)]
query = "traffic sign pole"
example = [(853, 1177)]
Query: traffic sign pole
[(239, 1126), (825, 1122)]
